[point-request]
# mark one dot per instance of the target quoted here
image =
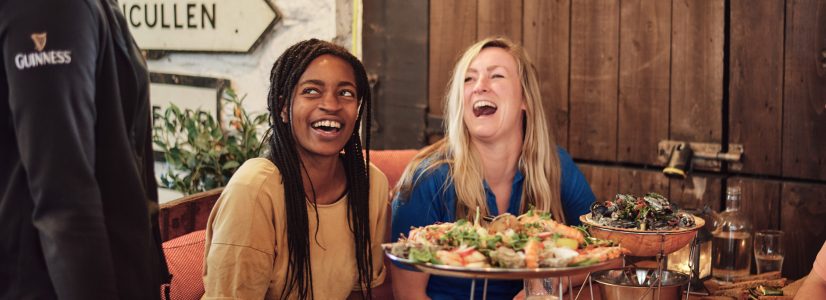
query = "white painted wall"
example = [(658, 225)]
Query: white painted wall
[(249, 73), (330, 20)]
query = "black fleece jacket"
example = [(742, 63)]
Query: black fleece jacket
[(78, 200)]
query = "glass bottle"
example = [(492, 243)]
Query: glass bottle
[(731, 243)]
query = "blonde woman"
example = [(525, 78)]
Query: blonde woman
[(498, 155)]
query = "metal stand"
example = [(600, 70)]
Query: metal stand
[(661, 267), (560, 287), (473, 289)]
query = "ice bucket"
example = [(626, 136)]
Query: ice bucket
[(639, 283)]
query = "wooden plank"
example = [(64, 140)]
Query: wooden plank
[(594, 65), (186, 214), (696, 191), (640, 182), (756, 86), (607, 182), (452, 30), (395, 45), (760, 201), (604, 181), (500, 18), (645, 57), (697, 71), (545, 35), (803, 219), (804, 100)]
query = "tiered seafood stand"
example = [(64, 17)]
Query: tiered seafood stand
[(646, 244), (647, 284)]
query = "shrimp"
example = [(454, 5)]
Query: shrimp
[(532, 249), (474, 259), (563, 230), (463, 257), (529, 218), (429, 233), (537, 225), (449, 258), (601, 254)]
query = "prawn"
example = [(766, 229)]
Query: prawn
[(551, 226), (532, 249), (449, 258), (429, 233), (563, 230), (601, 254)]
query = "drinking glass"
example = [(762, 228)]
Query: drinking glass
[(541, 289), (768, 250)]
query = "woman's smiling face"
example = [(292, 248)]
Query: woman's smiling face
[(493, 102), (325, 107)]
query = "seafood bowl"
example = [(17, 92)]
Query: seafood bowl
[(501, 273), (645, 242)]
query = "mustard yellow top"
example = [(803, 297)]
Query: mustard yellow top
[(246, 239)]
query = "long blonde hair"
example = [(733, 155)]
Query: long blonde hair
[(539, 161)]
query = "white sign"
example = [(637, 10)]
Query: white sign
[(187, 92), (185, 97), (198, 25)]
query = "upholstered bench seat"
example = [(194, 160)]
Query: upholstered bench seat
[(185, 256)]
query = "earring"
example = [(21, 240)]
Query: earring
[(284, 118)]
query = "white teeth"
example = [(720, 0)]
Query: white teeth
[(326, 123), (483, 103)]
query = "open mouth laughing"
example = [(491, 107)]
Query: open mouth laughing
[(483, 108), (327, 126)]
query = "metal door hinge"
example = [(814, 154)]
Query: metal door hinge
[(705, 155)]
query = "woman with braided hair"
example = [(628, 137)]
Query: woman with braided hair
[(307, 221)]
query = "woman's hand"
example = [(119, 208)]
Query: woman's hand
[(539, 286), (520, 296)]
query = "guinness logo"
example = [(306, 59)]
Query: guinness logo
[(41, 58), (39, 41)]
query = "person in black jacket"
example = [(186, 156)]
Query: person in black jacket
[(78, 199)]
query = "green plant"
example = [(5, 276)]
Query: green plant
[(200, 153)]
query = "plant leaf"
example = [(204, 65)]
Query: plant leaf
[(231, 165)]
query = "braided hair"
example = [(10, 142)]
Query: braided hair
[(283, 153)]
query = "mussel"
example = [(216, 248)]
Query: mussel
[(598, 209), (657, 202), (686, 220)]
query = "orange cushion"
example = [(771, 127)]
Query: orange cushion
[(392, 162), (185, 257)]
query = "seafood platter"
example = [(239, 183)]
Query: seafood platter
[(531, 245)]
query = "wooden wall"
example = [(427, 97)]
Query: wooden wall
[(618, 76), (395, 49)]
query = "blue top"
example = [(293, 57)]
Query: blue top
[(433, 199)]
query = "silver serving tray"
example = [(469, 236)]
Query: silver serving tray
[(500, 273)]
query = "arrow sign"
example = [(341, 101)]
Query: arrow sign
[(198, 25)]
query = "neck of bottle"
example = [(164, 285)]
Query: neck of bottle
[(732, 202)]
